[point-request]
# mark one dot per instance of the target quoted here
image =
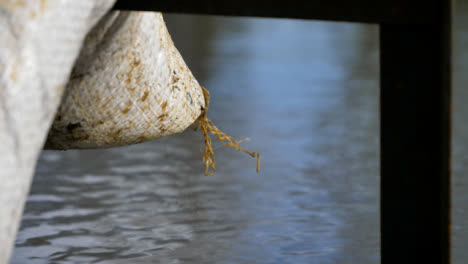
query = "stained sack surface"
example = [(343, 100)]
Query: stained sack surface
[(129, 85)]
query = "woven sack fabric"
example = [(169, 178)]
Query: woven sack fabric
[(129, 85)]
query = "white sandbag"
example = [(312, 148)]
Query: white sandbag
[(129, 85), (39, 42)]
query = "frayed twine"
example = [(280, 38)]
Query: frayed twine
[(207, 126)]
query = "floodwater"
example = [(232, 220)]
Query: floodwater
[(306, 93)]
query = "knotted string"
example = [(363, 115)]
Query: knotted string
[(207, 127)]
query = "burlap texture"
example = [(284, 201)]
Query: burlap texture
[(129, 85)]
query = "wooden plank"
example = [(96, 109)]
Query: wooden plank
[(369, 11), (415, 141)]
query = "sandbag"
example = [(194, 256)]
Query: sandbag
[(39, 42), (129, 85)]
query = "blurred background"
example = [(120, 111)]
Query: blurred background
[(307, 94)]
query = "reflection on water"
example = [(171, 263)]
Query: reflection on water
[(306, 92)]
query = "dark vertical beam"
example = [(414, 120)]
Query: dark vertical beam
[(415, 140)]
